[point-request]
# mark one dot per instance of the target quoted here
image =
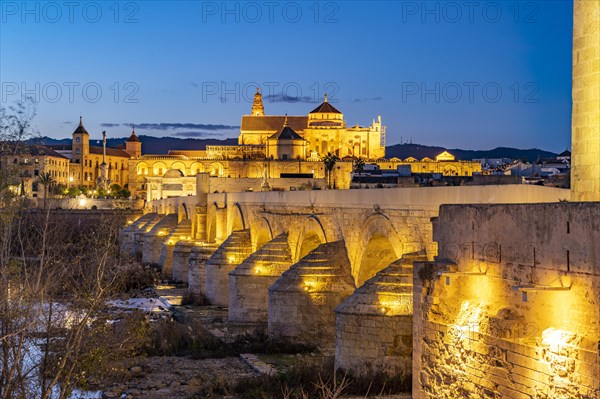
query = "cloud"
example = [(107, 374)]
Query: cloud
[(193, 127), (282, 98), (197, 134), (176, 126), (360, 100)]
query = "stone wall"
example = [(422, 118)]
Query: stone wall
[(511, 306)]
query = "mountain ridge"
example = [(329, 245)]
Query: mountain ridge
[(161, 145)]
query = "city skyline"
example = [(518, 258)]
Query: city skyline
[(460, 75)]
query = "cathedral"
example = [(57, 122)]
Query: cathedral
[(281, 146), (322, 131)]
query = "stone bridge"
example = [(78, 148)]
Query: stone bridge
[(291, 260)]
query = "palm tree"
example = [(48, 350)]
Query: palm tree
[(329, 161), (359, 166), (46, 179)]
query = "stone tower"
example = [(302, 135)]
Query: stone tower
[(257, 106), (133, 145), (80, 144), (585, 172)]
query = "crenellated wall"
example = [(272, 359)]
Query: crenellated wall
[(511, 306)]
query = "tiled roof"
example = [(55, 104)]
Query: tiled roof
[(80, 128), (325, 108), (33, 150), (286, 133), (133, 138), (272, 123), (113, 152)]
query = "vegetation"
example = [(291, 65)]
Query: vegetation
[(358, 166), (329, 160), (320, 381), (56, 274), (46, 179)]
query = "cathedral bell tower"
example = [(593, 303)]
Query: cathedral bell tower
[(257, 106)]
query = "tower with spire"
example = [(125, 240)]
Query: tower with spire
[(133, 145), (257, 106), (80, 143)]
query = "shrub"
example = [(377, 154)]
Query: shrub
[(191, 298)]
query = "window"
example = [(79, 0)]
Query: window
[(77, 139), (36, 172), (77, 151)]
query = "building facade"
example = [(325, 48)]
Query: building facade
[(276, 146), (86, 160)]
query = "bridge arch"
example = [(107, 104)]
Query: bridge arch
[(311, 235), (182, 213), (237, 221), (211, 223), (264, 233), (379, 245)]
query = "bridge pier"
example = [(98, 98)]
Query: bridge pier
[(127, 233), (138, 236), (303, 299), (374, 325), (233, 251), (181, 259), (197, 267), (250, 281), (153, 239), (183, 231)]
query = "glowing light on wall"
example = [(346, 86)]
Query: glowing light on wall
[(312, 284), (556, 339), (468, 320), (394, 304)]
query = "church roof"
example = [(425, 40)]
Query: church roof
[(325, 108), (287, 133), (80, 128), (272, 123)]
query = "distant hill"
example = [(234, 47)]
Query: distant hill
[(421, 151), (150, 145), (162, 145)]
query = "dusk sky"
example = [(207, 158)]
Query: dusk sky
[(473, 75)]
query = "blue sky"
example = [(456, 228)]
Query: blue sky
[(474, 75)]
